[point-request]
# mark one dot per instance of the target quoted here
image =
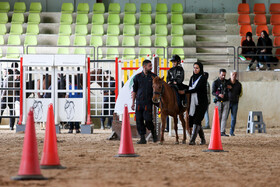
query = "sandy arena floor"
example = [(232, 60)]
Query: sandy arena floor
[(252, 160)]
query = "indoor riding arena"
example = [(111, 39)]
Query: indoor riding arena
[(68, 80)]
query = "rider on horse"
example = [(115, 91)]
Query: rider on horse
[(175, 78)]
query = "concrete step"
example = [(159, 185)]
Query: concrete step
[(210, 21), (211, 38), (215, 27), (212, 50), (210, 16), (210, 32), (210, 43)]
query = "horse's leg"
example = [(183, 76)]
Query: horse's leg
[(188, 124), (176, 128), (184, 127), (163, 122)]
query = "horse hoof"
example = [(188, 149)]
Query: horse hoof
[(176, 143), (184, 142)]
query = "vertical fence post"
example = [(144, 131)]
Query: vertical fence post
[(88, 93), (117, 79), (21, 93)]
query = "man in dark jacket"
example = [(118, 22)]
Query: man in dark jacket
[(220, 91), (235, 91), (143, 93), (175, 78)]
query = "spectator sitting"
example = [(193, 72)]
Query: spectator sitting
[(248, 43), (263, 42)]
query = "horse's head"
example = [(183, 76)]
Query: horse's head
[(158, 89)]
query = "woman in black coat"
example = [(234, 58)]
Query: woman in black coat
[(199, 102), (265, 49)]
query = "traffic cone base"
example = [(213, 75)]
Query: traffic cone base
[(126, 155), (29, 177), (214, 150), (52, 167)]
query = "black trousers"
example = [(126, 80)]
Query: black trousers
[(198, 115), (76, 124), (10, 104), (144, 118)]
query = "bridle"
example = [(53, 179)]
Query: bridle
[(161, 92)]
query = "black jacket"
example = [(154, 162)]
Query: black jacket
[(176, 74), (264, 42), (201, 90), (143, 87), (247, 43), (235, 91), (220, 87)]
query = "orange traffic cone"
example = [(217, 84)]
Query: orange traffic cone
[(215, 140), (29, 166), (126, 145), (50, 159)]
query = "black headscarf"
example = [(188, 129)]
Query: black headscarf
[(195, 76)]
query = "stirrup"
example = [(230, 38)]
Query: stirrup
[(184, 104)]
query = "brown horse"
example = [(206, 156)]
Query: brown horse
[(166, 97)]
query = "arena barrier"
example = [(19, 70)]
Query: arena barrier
[(50, 79)]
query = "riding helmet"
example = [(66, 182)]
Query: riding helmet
[(175, 58)]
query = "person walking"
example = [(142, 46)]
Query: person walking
[(143, 93), (199, 102), (235, 92), (220, 92)]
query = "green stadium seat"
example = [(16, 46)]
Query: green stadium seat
[(98, 8), (65, 30), (3, 29), (161, 41), (129, 30), (63, 41), (112, 41), (145, 30), (30, 40), (177, 30), (83, 8), (144, 41), (130, 8), (18, 18), (177, 8), (80, 41), (3, 18), (34, 18), (178, 51), (114, 8), (128, 53), (66, 19), (82, 19), (19, 7), (145, 19), (4, 6), (16, 29), (114, 19), (129, 19), (112, 52), (177, 19), (96, 41), (146, 8), (13, 52), (35, 7), (113, 30), (32, 29), (177, 41), (67, 8), (97, 30), (161, 8), (161, 30), (81, 30), (161, 19), (128, 41), (97, 19)]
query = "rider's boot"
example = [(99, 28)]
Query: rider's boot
[(194, 134), (201, 135), (142, 140)]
